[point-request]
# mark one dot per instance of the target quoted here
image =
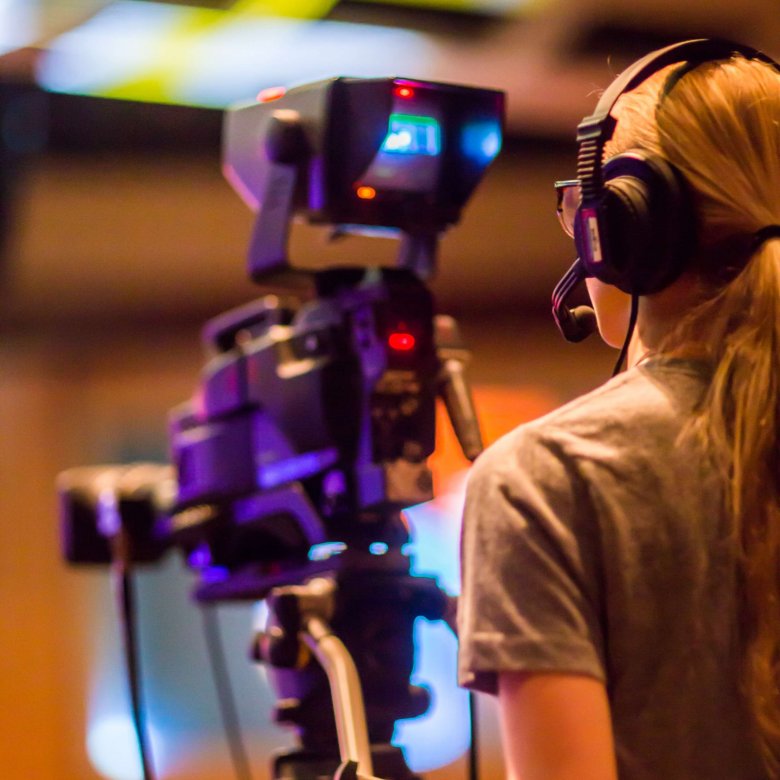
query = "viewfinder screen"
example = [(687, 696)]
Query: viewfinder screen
[(409, 159), (409, 134)]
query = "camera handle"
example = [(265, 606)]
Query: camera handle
[(453, 386)]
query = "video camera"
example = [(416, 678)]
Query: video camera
[(315, 416)]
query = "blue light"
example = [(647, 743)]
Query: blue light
[(197, 56), (321, 552), (121, 36), (435, 532), (113, 748), (481, 141), (19, 24), (378, 548), (214, 574), (441, 734), (408, 134)]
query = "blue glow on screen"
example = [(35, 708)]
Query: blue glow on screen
[(481, 141), (408, 134)]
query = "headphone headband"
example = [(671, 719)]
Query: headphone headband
[(595, 130), (694, 52)]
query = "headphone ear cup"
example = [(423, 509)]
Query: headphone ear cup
[(626, 222), (646, 224)]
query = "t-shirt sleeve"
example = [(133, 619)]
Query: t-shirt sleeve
[(530, 596)]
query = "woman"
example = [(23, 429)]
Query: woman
[(621, 556)]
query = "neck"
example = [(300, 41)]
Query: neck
[(659, 314), (638, 349)]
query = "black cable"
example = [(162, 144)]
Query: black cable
[(629, 333), (126, 597), (227, 704), (474, 734)]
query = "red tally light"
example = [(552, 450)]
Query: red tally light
[(401, 342), (404, 92), (272, 93)]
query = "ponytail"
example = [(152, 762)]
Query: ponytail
[(720, 126), (739, 422)]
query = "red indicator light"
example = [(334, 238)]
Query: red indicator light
[(401, 342), (272, 93), (404, 92), (365, 193)]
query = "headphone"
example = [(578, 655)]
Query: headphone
[(636, 224)]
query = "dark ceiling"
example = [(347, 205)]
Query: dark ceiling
[(123, 213)]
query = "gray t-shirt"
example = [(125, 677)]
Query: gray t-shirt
[(594, 542)]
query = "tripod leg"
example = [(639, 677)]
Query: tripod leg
[(346, 693)]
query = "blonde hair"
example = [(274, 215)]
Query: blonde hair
[(720, 126)]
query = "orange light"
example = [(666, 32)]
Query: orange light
[(404, 92), (272, 93), (401, 342), (366, 193)]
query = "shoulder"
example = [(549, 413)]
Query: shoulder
[(542, 447), (625, 414)]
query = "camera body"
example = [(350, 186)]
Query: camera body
[(312, 425)]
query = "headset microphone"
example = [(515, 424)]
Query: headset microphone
[(578, 323)]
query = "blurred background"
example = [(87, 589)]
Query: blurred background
[(119, 238)]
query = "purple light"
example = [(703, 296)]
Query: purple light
[(200, 557)]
